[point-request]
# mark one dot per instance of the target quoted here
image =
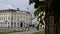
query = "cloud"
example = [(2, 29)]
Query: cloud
[(4, 6), (13, 4)]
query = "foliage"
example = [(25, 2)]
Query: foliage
[(40, 9)]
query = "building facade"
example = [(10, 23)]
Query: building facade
[(15, 18), (36, 22)]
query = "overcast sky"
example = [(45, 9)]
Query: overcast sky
[(14, 4)]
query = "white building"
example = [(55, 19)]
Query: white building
[(15, 18), (35, 22)]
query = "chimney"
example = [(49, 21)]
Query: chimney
[(18, 9)]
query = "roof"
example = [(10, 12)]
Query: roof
[(13, 10)]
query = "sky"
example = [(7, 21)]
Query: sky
[(14, 4)]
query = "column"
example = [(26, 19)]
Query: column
[(10, 24), (7, 24), (23, 24), (16, 24), (19, 24), (13, 24)]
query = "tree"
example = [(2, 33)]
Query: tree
[(52, 18), (40, 8)]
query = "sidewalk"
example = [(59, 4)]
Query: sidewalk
[(31, 30), (26, 32)]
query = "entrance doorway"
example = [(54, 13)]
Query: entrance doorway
[(21, 24)]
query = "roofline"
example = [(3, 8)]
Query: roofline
[(15, 10)]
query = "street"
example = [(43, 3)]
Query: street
[(31, 30)]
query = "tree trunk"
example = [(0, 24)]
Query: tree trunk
[(49, 25), (57, 22), (52, 22)]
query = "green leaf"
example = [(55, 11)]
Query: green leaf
[(40, 7)]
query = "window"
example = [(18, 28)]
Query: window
[(24, 17), (4, 18), (17, 17), (15, 14), (12, 18), (21, 16), (8, 18)]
